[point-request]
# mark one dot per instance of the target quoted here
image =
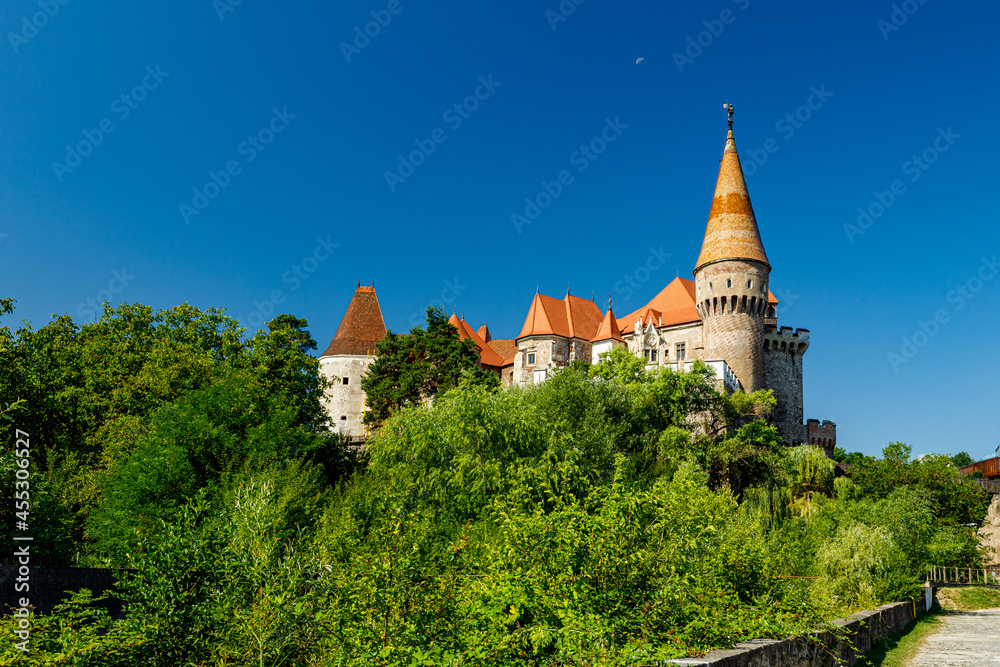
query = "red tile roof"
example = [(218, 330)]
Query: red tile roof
[(487, 355), (608, 329), (571, 317), (362, 327), (673, 305), (506, 348), (732, 231)]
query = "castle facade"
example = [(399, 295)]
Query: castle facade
[(725, 317)]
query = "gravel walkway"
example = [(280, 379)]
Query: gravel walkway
[(965, 638)]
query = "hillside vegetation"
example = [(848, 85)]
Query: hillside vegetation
[(609, 516)]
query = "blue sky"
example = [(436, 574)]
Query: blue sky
[(249, 147)]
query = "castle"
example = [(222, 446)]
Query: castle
[(725, 317)]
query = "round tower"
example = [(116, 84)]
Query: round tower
[(731, 276)]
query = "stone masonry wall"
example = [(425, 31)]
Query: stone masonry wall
[(549, 353), (731, 298), (822, 435), (864, 628), (783, 374), (345, 403)]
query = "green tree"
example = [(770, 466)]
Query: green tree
[(412, 368), (962, 459)]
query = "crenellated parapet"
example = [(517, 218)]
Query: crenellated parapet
[(822, 434), (787, 340)]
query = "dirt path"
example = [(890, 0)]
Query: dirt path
[(965, 638)]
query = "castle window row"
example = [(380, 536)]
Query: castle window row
[(729, 283), (733, 304)]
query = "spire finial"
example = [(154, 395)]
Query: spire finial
[(567, 289), (359, 282), (536, 288), (729, 106), (609, 301)]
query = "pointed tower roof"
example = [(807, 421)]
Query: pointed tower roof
[(362, 327), (487, 355), (569, 317), (608, 329), (732, 231)]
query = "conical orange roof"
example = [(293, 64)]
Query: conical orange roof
[(732, 227), (362, 327), (487, 355), (608, 329)]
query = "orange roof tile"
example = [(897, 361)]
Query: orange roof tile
[(362, 327), (674, 304), (506, 347), (571, 317), (484, 333), (732, 231), (608, 329), (487, 355)]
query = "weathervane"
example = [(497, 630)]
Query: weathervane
[(729, 106)]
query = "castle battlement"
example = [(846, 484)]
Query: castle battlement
[(787, 340), (822, 434)]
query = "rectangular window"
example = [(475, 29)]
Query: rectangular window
[(346, 380), (645, 355), (343, 418), (652, 355), (680, 350), (531, 359)]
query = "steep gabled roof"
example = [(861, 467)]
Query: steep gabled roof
[(732, 231), (608, 329), (571, 317), (362, 327), (675, 304), (487, 355)]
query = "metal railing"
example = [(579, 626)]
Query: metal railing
[(940, 575)]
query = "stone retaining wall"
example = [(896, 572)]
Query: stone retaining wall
[(865, 628)]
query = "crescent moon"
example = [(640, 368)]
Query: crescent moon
[(639, 60)]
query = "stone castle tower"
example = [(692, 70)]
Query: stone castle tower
[(731, 276)]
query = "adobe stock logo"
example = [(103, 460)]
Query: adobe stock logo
[(122, 106), (914, 168), (381, 19), (959, 297), (714, 28), (92, 308), (452, 290), (249, 148), (581, 158), (37, 21), (454, 115), (633, 281), (294, 277)]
